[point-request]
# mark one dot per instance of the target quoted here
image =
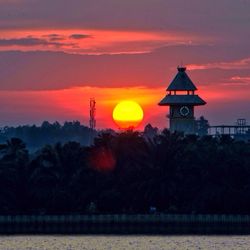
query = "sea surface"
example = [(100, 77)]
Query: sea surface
[(123, 242)]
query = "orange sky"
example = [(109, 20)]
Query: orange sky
[(73, 104)]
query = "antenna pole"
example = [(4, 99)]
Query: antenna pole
[(92, 112)]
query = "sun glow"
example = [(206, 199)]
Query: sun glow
[(127, 114)]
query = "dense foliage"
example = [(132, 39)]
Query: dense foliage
[(127, 173)]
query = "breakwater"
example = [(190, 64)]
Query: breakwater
[(125, 224)]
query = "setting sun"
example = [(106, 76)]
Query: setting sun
[(127, 114)]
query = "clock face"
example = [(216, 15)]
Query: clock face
[(184, 111)]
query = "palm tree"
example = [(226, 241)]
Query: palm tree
[(14, 150), (14, 161)]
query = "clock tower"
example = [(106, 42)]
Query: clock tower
[(181, 99)]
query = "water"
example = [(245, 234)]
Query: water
[(124, 242)]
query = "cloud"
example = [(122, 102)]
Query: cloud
[(52, 35), (102, 42), (146, 14), (241, 78), (239, 81), (79, 36), (28, 41), (55, 37), (237, 64), (49, 70), (39, 70)]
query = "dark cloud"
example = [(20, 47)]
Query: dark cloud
[(55, 37), (52, 35), (23, 42), (30, 41), (79, 36)]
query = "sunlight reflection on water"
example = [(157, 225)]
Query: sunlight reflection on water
[(123, 242)]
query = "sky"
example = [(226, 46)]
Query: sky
[(57, 54)]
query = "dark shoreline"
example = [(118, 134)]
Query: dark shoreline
[(126, 224)]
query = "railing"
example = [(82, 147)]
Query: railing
[(229, 129), (126, 224)]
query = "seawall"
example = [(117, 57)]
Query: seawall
[(125, 224)]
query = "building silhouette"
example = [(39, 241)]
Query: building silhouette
[(181, 99)]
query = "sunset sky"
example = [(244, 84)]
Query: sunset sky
[(57, 54)]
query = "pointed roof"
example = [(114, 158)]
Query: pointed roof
[(182, 100), (181, 81)]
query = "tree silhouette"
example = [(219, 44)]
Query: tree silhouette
[(125, 172)]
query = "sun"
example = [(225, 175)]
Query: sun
[(127, 114)]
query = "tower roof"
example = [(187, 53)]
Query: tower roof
[(182, 100), (181, 81)]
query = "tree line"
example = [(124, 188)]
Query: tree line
[(127, 172), (48, 133)]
